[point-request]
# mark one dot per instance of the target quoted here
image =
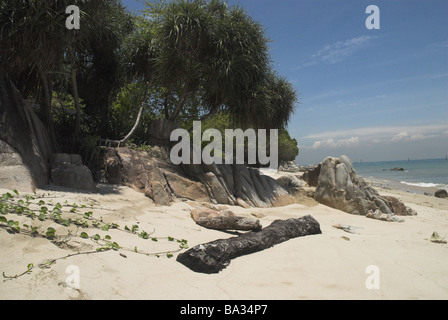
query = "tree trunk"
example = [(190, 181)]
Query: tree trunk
[(180, 104), (75, 94), (214, 256), (46, 110), (137, 121)]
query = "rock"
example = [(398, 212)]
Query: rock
[(214, 256), (340, 187), (441, 193), (26, 144), (397, 169), (378, 215), (14, 175), (186, 188), (219, 184), (258, 215), (136, 169), (436, 238), (288, 166), (398, 208), (346, 228), (242, 203), (67, 170), (239, 185), (311, 176), (291, 183)]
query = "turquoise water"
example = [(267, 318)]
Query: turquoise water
[(421, 173)]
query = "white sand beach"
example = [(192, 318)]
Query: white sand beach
[(331, 265)]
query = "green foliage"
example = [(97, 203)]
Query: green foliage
[(288, 148), (12, 204)]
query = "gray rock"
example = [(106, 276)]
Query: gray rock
[(340, 187), (291, 183), (378, 215), (441, 193), (186, 188), (436, 238), (23, 132), (67, 170), (214, 256)]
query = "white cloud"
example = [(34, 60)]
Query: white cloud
[(341, 50), (384, 133), (400, 136), (331, 143), (404, 136), (338, 51)]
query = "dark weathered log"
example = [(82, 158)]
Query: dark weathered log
[(214, 256)]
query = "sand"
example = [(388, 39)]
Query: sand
[(328, 266)]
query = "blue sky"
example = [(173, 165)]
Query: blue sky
[(370, 94)]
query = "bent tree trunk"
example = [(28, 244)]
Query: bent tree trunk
[(137, 121), (214, 256)]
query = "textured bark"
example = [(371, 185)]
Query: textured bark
[(214, 256)]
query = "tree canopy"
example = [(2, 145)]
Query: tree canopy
[(180, 60)]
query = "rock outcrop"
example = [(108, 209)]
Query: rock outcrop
[(25, 142), (67, 170), (340, 187), (219, 184), (14, 175), (214, 256)]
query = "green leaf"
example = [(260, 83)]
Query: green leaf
[(107, 237), (169, 255), (16, 192), (96, 237), (87, 215), (84, 235), (50, 233), (3, 219)]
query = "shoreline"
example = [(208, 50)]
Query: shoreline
[(327, 266), (400, 186)]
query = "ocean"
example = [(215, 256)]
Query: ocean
[(431, 173)]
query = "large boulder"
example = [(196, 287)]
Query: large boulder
[(26, 147), (185, 188), (14, 175), (136, 169), (67, 170), (340, 187), (163, 182)]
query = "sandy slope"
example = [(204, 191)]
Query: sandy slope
[(327, 266)]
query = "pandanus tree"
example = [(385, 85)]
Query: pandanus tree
[(36, 46), (215, 54)]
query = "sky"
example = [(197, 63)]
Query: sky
[(371, 94)]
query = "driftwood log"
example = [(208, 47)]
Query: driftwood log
[(214, 256)]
